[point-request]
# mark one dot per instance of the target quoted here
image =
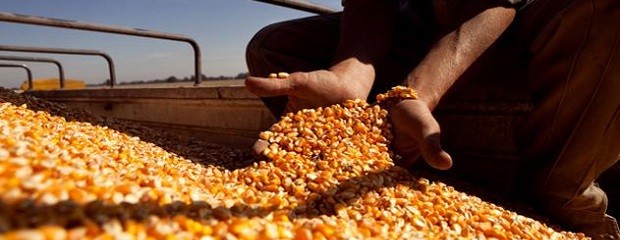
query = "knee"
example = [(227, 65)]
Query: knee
[(256, 46), (579, 212), (592, 201)]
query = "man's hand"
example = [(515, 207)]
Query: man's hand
[(309, 89), (416, 132)]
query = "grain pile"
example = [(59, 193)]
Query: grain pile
[(195, 150), (328, 174)]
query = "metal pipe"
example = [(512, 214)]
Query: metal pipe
[(63, 23), (66, 51), (300, 5), (61, 71), (30, 84)]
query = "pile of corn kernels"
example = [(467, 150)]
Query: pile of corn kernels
[(327, 174), (192, 149)]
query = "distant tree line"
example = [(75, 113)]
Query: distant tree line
[(173, 79)]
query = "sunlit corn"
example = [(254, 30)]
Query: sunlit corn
[(399, 92), (283, 75), (327, 173), (280, 75)]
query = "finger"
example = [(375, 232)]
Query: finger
[(259, 147), (268, 87), (433, 154)]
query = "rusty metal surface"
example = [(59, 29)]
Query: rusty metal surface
[(71, 24), (300, 5), (61, 71), (28, 72), (72, 51)]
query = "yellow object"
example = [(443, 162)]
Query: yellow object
[(53, 84), (327, 174), (399, 92), (395, 95), (283, 75), (280, 75)]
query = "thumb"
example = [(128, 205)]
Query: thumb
[(433, 154), (269, 87)]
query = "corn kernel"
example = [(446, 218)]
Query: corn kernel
[(283, 75), (328, 175)]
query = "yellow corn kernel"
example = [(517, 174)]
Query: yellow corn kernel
[(283, 75), (328, 175)]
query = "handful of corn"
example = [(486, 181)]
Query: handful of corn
[(327, 174)]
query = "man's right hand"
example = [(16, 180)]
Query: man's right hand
[(308, 89), (417, 133)]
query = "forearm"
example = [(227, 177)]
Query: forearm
[(455, 52), (364, 40)]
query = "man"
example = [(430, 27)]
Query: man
[(565, 52)]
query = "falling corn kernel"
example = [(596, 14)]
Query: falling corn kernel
[(327, 174)]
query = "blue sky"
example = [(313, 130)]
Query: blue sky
[(221, 27)]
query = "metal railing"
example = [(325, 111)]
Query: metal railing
[(71, 24), (61, 71), (33, 49), (300, 5), (28, 72), (62, 23)]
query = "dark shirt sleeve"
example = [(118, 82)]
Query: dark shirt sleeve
[(515, 2), (518, 3)]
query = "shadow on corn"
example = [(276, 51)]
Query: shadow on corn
[(28, 214), (197, 151), (351, 192)]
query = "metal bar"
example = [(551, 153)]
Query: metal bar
[(66, 51), (30, 84), (62, 23), (61, 71), (300, 5)]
